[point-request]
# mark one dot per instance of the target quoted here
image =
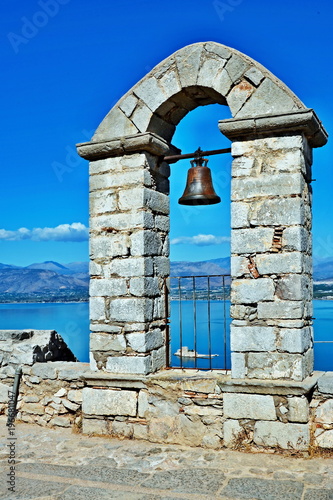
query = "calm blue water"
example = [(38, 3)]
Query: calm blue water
[(72, 323), (70, 320)]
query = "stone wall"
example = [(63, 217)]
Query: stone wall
[(212, 410), (51, 384)]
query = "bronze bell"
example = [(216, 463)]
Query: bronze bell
[(199, 187)]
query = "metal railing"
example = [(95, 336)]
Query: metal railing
[(198, 321)]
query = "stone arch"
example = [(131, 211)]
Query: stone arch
[(199, 74), (273, 134)]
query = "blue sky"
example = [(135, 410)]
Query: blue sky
[(65, 64)]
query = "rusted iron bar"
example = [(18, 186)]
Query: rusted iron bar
[(175, 158)]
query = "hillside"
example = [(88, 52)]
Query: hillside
[(54, 282)]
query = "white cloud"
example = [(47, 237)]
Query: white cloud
[(63, 232), (200, 240)]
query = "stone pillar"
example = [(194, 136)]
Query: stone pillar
[(129, 250), (271, 254)]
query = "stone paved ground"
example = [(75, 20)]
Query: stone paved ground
[(59, 465)]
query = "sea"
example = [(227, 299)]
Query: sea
[(71, 321)]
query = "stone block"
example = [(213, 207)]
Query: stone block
[(105, 328), (4, 393), (158, 359), (97, 308), (35, 408), (143, 404), (239, 266), (232, 431), (266, 100), (161, 266), (325, 383), (131, 198), (240, 312), (324, 439), (128, 309), (145, 341), (142, 116), (298, 409), (170, 83), (254, 240), (250, 291), (238, 366), (283, 309), (60, 422), (113, 245), (140, 431), (293, 287), (112, 287), (122, 429), (324, 412), (223, 82), (117, 179), (128, 104), (105, 165), (277, 212), (286, 436), (107, 342), (75, 395), (236, 67), (119, 121), (238, 95), (95, 269), (150, 93), (294, 143), (296, 340), (109, 402), (242, 166), (131, 266), (122, 221), (144, 286), (156, 201), (251, 406), (188, 64), (101, 202), (95, 426), (280, 263), (162, 222), (129, 364), (146, 243), (45, 370), (240, 214), (254, 75), (282, 184), (252, 338), (275, 365)]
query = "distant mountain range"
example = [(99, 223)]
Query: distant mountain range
[(52, 281)]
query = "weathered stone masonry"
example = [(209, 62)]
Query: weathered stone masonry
[(266, 399), (272, 398)]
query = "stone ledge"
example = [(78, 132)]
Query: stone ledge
[(148, 142), (222, 379), (272, 387), (304, 120)]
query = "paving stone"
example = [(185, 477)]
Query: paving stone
[(316, 494), (262, 489), (32, 489), (185, 481)]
